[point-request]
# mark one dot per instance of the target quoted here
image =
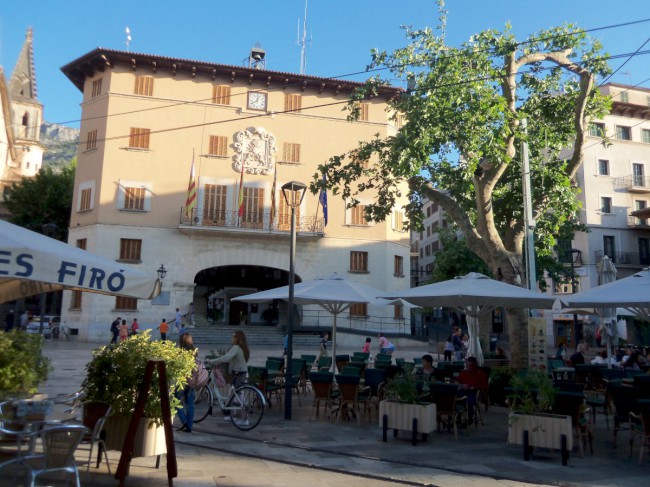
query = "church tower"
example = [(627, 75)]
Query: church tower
[(21, 115), (26, 111)]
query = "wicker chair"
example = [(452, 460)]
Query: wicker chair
[(59, 446)]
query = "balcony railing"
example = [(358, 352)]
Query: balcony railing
[(625, 258), (638, 223), (259, 220), (633, 183)]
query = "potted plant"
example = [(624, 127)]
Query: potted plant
[(406, 408), (22, 365), (500, 380), (530, 423), (114, 376)]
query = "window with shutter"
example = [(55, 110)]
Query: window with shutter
[(214, 204), (253, 216), (221, 95), (91, 140), (218, 146), (143, 85), (358, 261), (134, 198), (358, 215), (130, 250), (290, 152), (86, 195), (292, 102), (139, 138)]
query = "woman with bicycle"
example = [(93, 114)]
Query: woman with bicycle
[(237, 359), (187, 395)]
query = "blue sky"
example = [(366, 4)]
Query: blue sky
[(342, 32)]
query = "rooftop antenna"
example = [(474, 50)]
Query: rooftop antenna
[(629, 76), (303, 42), (128, 38)]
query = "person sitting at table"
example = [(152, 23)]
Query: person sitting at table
[(602, 359), (471, 380), (578, 357), (632, 362), (427, 369)]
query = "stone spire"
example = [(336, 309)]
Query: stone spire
[(22, 85)]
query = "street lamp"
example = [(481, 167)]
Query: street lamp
[(293, 193), (49, 230), (162, 272), (576, 255)]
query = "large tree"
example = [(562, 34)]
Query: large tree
[(459, 145), (44, 199)]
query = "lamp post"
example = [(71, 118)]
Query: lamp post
[(575, 255), (293, 193)]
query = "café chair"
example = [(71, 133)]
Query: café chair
[(451, 409), (322, 384), (573, 404), (640, 427), (625, 402), (375, 379), (94, 419), (352, 396), (324, 363), (59, 446)]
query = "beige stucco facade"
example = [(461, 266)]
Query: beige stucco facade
[(177, 107)]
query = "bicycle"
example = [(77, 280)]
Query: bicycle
[(244, 405)]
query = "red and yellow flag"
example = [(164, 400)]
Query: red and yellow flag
[(190, 202)]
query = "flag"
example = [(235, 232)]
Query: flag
[(240, 201), (273, 189), (323, 198), (190, 202)]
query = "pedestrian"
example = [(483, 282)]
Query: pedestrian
[(115, 330), (177, 319), (134, 327), (9, 320), (237, 359), (163, 328), (458, 344), (182, 330), (561, 351), (323, 344), (449, 348), (192, 322), (187, 394), (366, 346), (385, 346), (24, 320), (123, 331)]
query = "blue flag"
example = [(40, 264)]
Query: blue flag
[(323, 199)]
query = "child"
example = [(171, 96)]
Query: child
[(366, 346)]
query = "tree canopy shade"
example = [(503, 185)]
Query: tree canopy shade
[(459, 143), (44, 199)]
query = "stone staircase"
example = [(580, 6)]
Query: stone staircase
[(270, 336)]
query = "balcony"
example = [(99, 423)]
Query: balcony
[(633, 183), (259, 222), (638, 223), (631, 259)]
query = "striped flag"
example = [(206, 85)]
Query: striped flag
[(240, 202), (190, 202), (323, 198), (273, 189)]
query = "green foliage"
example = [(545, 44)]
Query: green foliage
[(460, 143), (22, 364), (402, 388), (43, 199), (116, 371), (533, 392), (455, 259)]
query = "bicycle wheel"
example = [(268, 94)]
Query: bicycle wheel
[(202, 403), (246, 407)]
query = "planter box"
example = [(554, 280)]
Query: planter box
[(541, 430), (148, 441), (399, 416)]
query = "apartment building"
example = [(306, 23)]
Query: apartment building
[(614, 183), (152, 126)]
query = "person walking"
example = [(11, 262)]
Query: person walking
[(163, 328), (237, 359), (385, 346), (115, 329), (366, 346), (323, 344), (134, 327), (123, 331), (187, 394), (177, 319)]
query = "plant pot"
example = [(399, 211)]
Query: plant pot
[(148, 441), (541, 430), (399, 416)]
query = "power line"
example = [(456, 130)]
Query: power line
[(447, 55)]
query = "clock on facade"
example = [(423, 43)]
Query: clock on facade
[(256, 100)]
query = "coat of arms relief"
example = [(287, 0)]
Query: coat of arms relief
[(254, 149)]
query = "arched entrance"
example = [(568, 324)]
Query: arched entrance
[(217, 286)]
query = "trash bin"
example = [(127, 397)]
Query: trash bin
[(493, 343)]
